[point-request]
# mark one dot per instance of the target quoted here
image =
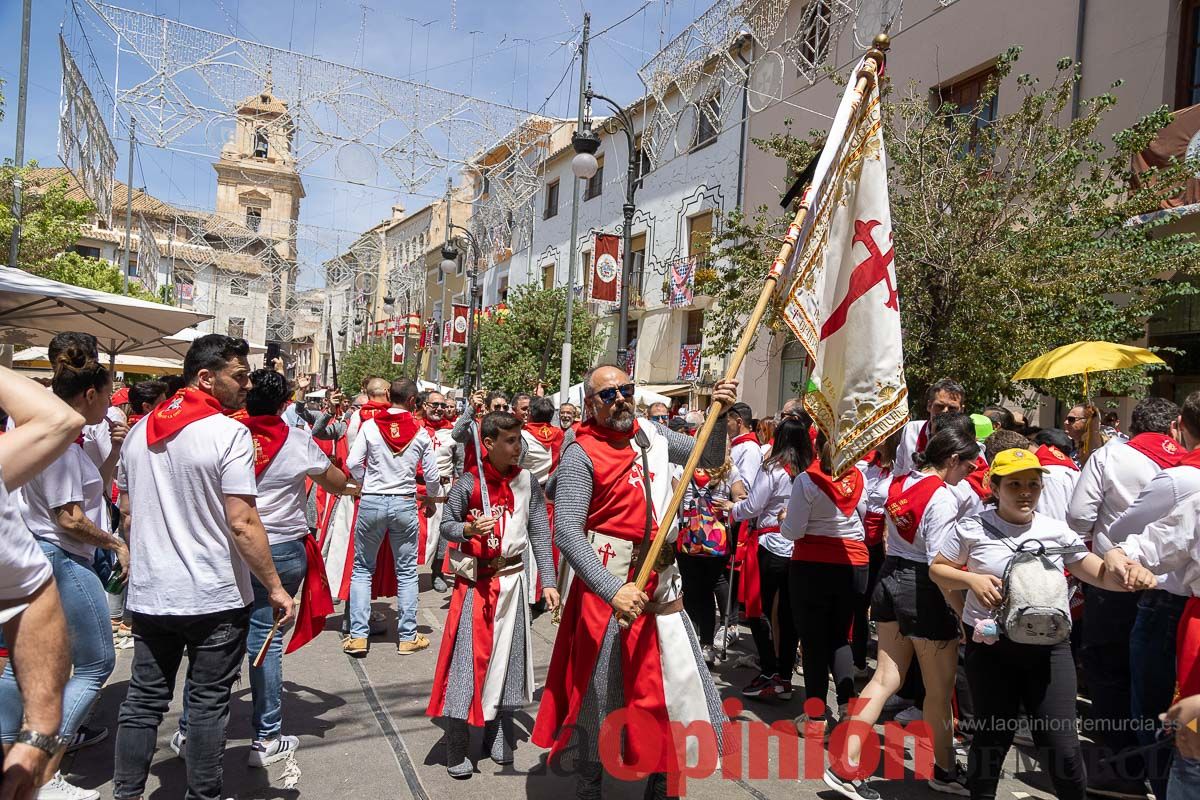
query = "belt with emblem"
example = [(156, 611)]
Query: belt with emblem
[(498, 563)]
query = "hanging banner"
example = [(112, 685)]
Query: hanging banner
[(683, 272), (397, 348), (606, 269), (458, 325), (447, 328), (689, 362)]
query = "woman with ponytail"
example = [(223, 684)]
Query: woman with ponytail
[(64, 507)]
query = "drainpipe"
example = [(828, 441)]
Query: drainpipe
[(1080, 26)]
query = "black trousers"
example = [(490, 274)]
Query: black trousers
[(215, 645), (700, 576), (1105, 658), (774, 584), (824, 599), (1005, 678), (862, 630)]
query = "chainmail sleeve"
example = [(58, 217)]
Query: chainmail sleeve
[(461, 432), (679, 445), (570, 523), (455, 510), (539, 535)]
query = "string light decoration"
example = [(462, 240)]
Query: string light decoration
[(84, 145)]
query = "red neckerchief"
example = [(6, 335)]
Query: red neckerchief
[(187, 406), (1159, 448), (239, 414), (979, 479), (922, 438), (133, 419), (269, 433), (501, 499), (549, 436), (398, 430), (1191, 459), (844, 492), (440, 425), (743, 439), (702, 478), (618, 506), (1050, 456), (371, 409), (907, 507)]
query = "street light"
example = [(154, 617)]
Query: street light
[(450, 264), (585, 160)]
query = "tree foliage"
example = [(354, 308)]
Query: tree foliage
[(370, 359), (51, 222), (1011, 237), (92, 273), (522, 344)]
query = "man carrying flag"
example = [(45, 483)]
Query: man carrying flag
[(188, 490)]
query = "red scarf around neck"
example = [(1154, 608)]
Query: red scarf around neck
[(133, 419), (440, 425), (1050, 456), (549, 436), (398, 430), (922, 438), (906, 507), (745, 438), (187, 406), (978, 480), (844, 492), (1191, 459), (373, 408), (501, 500), (1159, 448), (269, 433)]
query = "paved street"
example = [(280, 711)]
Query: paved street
[(363, 734)]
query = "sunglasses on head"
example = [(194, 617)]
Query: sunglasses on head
[(608, 395)]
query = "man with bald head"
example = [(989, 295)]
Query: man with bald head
[(613, 484), (376, 393)]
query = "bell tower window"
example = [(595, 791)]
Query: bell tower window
[(260, 143), (253, 217)]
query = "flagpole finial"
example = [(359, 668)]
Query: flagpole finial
[(882, 42)]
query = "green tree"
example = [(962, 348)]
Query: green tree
[(93, 273), (1010, 234), (50, 221), (371, 359), (524, 343)]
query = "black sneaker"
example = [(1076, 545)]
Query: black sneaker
[(854, 789), (1105, 786), (86, 736), (949, 782), (756, 686)]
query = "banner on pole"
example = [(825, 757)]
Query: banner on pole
[(397, 348), (458, 325), (606, 269), (840, 296)]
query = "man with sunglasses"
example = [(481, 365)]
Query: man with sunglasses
[(600, 520), (496, 401), (431, 547), (658, 412)]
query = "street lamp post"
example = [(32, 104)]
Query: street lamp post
[(587, 169), (475, 292)]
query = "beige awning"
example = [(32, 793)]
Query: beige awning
[(666, 389)]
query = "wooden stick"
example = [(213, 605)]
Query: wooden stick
[(866, 78), (262, 651)]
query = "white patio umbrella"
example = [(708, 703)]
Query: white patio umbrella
[(36, 358), (34, 309), (176, 345)]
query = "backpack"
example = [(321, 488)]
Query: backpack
[(703, 532), (1037, 606)]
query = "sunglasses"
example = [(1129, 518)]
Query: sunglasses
[(500, 407), (608, 396), (438, 405), (1073, 420), (663, 418)]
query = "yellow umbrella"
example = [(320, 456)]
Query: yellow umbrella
[(1082, 358)]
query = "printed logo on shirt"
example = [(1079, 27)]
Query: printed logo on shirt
[(172, 408)]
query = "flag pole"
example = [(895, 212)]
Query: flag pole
[(871, 67)]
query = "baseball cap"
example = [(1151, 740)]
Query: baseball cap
[(983, 426), (1008, 462)]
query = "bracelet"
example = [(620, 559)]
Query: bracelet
[(50, 745)]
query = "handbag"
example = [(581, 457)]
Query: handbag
[(704, 533)]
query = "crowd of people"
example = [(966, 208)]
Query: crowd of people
[(973, 572)]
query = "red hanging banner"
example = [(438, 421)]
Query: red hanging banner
[(397, 348), (458, 326), (606, 269)]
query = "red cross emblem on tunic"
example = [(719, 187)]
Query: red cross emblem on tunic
[(870, 271), (606, 553)]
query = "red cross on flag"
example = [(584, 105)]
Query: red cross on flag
[(840, 287)]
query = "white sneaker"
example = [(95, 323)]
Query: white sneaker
[(178, 740), (910, 714), (265, 753), (59, 789)]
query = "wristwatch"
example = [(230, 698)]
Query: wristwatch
[(50, 745)]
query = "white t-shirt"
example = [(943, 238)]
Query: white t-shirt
[(97, 441), (72, 478), (984, 554), (767, 499), (281, 497), (1108, 484), (23, 565), (1057, 486), (182, 557), (937, 524), (810, 512), (747, 457)]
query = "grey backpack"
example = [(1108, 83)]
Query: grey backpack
[(1036, 608)]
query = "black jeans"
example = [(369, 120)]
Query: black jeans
[(215, 645), (773, 584), (1105, 659), (824, 598), (1006, 677), (1152, 667), (700, 576), (862, 629)]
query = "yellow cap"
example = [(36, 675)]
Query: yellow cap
[(1008, 462)]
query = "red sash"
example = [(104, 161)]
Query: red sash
[(907, 507), (269, 433), (844, 492), (978, 480), (187, 406), (750, 586), (398, 430), (922, 438), (549, 436), (1050, 456), (874, 523), (316, 599), (1159, 448), (1187, 651)]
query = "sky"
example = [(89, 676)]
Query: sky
[(515, 52)]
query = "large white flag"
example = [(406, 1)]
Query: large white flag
[(840, 287)]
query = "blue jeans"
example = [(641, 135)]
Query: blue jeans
[(266, 682), (393, 516), (92, 655), (1152, 673), (1185, 779)]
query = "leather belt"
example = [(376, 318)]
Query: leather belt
[(669, 607), (499, 562)]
